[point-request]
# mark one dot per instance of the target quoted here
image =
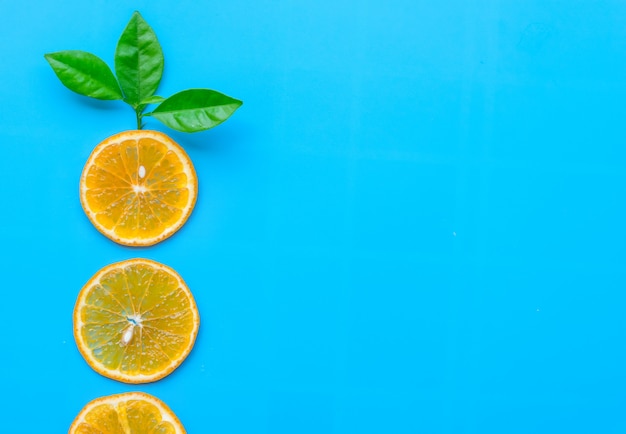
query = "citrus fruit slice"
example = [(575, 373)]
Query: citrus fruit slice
[(126, 413), (138, 187), (135, 321)]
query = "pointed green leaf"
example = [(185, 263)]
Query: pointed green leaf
[(138, 61), (195, 110), (85, 73)]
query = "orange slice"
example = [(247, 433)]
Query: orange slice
[(126, 413), (135, 321), (138, 187)]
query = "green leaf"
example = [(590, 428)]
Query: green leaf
[(195, 110), (138, 61), (85, 73), (153, 100)]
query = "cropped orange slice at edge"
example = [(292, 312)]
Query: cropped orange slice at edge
[(126, 413), (135, 321), (138, 187)]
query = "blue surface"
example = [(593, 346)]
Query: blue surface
[(415, 223)]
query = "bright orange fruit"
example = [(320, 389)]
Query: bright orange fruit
[(138, 187), (126, 413), (135, 321)]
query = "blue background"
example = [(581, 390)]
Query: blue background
[(415, 223)]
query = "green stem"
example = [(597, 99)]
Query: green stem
[(139, 116)]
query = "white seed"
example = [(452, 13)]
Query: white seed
[(128, 335), (142, 172)]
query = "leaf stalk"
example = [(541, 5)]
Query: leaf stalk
[(139, 117)]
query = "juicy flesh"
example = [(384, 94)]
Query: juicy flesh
[(128, 417), (138, 188), (137, 320)]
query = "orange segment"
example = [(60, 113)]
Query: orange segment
[(138, 187), (135, 321), (126, 413)]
